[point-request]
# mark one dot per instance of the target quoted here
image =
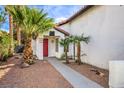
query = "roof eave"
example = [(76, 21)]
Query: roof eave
[(61, 30), (82, 10)]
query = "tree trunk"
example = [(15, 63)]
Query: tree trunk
[(18, 32), (66, 55), (18, 35), (11, 50), (74, 50), (28, 52), (78, 53)]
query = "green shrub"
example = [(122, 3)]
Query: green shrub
[(4, 45)]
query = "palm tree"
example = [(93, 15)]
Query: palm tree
[(11, 33), (11, 49), (18, 31), (13, 25), (65, 43), (78, 40), (31, 21)]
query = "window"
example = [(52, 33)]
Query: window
[(51, 33), (57, 45)]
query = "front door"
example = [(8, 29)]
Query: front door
[(45, 47)]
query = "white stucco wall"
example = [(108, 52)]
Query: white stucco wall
[(105, 26), (39, 48), (60, 48), (66, 27), (116, 74), (51, 47), (34, 46)]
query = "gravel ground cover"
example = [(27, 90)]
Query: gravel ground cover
[(85, 70), (39, 75)]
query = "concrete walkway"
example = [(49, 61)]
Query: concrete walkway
[(74, 78)]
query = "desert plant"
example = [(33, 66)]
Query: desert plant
[(65, 43), (77, 40)]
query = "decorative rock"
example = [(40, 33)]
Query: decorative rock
[(102, 74), (24, 65), (98, 72), (35, 57)]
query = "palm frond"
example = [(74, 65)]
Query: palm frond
[(30, 19), (76, 38)]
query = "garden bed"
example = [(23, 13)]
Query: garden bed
[(89, 72)]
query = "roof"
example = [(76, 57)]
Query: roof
[(81, 11), (61, 30)]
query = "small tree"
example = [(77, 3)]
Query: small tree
[(65, 43), (77, 40)]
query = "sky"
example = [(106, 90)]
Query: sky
[(58, 12)]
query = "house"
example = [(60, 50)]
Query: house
[(104, 25), (47, 44)]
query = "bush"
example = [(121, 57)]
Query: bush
[(4, 45)]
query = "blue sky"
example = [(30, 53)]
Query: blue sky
[(58, 12)]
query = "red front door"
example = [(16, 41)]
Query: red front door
[(45, 47)]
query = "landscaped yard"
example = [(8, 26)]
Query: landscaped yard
[(41, 75), (86, 70), (30, 26)]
